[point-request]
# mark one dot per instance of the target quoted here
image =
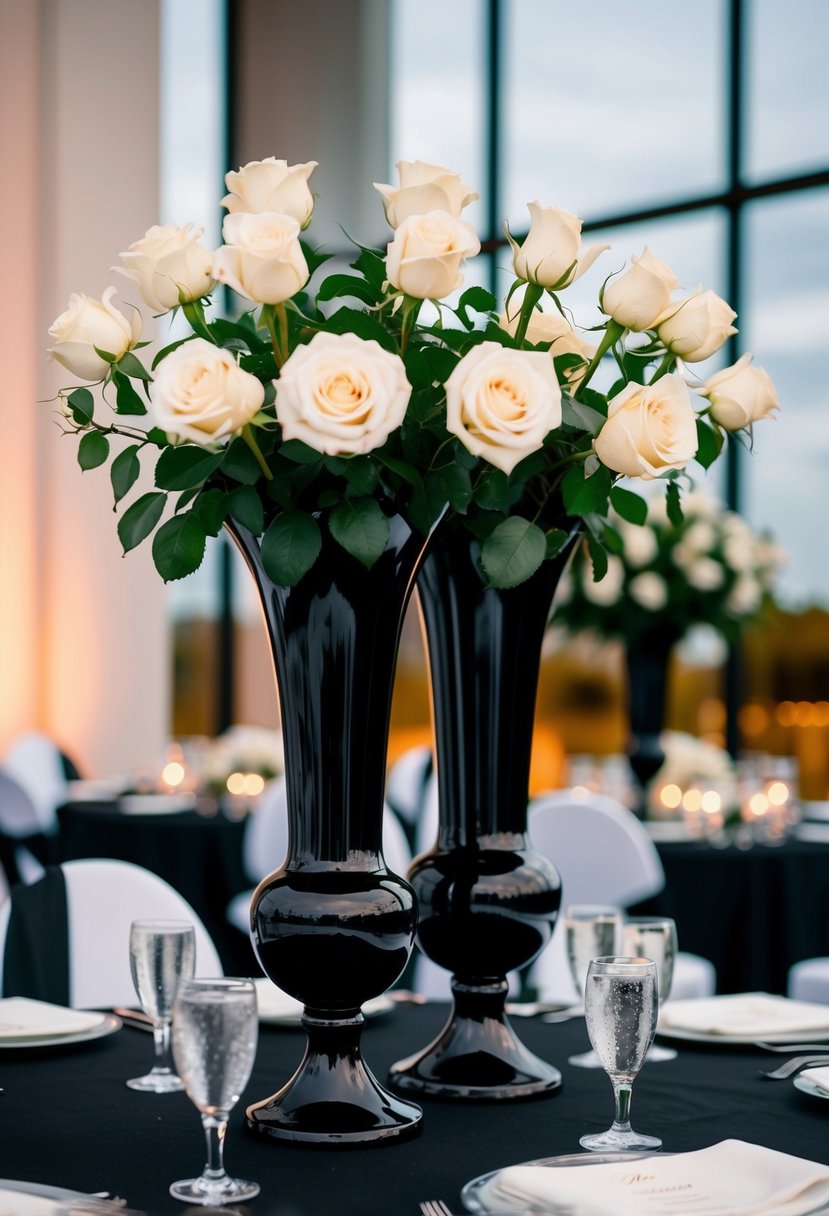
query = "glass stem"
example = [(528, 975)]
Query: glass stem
[(161, 1038), (214, 1133), (622, 1093)]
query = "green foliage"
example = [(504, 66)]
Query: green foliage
[(361, 528), (184, 467), (513, 551), (140, 519), (124, 472), (290, 547), (93, 450), (178, 546)]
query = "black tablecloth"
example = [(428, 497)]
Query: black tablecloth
[(69, 1120), (201, 856), (752, 912)]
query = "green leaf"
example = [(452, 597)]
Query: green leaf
[(556, 540), (211, 507), (513, 552), (194, 312), (178, 546), (239, 463), (130, 366), (185, 466), (612, 540), (82, 404), (584, 495), (400, 467), (710, 441), (491, 490), (580, 416), (476, 298), (598, 557), (359, 472), (373, 267), (93, 450), (246, 507), (186, 497), (352, 321), (168, 350), (630, 506), (127, 400), (124, 472), (290, 547), (350, 285), (673, 504), (361, 528), (138, 521), (455, 485), (299, 452)]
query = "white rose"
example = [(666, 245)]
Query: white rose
[(502, 403), (88, 324), (271, 185), (638, 297), (552, 327), (169, 264), (424, 188), (705, 574), (744, 598), (261, 258), (424, 260), (649, 428), (341, 394), (701, 537), (700, 504), (649, 590), (551, 255), (696, 327), (640, 544), (740, 394), (608, 589), (739, 553), (200, 393)]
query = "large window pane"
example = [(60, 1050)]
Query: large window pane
[(788, 95), (610, 106)]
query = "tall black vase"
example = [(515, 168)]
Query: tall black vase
[(334, 927), (488, 899), (648, 660)]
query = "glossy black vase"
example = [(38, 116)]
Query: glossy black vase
[(488, 900), (648, 660), (334, 927)]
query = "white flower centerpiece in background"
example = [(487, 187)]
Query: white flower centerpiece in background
[(313, 409)]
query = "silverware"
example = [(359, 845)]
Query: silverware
[(434, 1207), (792, 1066), (135, 1019), (786, 1048)]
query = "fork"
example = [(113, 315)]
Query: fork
[(792, 1066), (434, 1207), (785, 1048)]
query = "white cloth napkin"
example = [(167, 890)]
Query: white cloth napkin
[(277, 1007), (729, 1179), (754, 1014), (20, 1203), (22, 1018), (818, 1077)]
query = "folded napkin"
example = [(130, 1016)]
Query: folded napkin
[(22, 1018), (748, 1014), (21, 1203), (818, 1077), (729, 1179), (276, 1006)]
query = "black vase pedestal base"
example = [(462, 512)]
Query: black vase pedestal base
[(333, 1098), (477, 1057)]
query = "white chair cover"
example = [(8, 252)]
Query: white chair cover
[(406, 783), (34, 761), (809, 981)]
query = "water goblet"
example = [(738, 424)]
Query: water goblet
[(215, 1029), (621, 1005), (654, 937), (593, 931), (162, 954)]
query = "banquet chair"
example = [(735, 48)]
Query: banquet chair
[(103, 897), (808, 980), (407, 783), (604, 856), (23, 845), (36, 763)]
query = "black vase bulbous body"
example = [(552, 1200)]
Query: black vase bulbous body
[(648, 662), (334, 926), (488, 900)]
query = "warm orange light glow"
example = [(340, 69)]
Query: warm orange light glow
[(253, 785), (804, 714), (786, 713), (754, 719), (711, 715), (671, 796), (778, 793), (173, 773), (692, 800), (711, 802), (822, 713), (236, 783), (758, 804)]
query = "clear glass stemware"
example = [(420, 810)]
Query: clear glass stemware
[(654, 937), (215, 1030), (162, 954), (593, 931), (621, 1006)]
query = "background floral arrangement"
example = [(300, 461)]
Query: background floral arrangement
[(708, 568), (336, 407)]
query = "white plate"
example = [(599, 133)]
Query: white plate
[(471, 1193), (808, 1087), (276, 1008), (156, 804), (737, 1040), (108, 1026)]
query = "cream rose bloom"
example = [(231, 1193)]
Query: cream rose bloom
[(424, 188), (341, 394), (169, 266), (649, 429), (705, 574), (552, 327), (425, 258), (551, 255), (696, 327), (640, 544), (740, 394), (201, 395), (744, 598), (649, 590), (639, 296), (87, 324), (261, 258), (271, 185), (502, 403)]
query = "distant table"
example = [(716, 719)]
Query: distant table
[(752, 912), (201, 856)]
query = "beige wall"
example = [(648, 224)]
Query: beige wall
[(83, 632)]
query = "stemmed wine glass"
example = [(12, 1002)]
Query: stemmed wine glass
[(621, 1005), (654, 937), (593, 931), (162, 954), (215, 1029)]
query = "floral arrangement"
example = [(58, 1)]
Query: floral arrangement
[(241, 750), (335, 406), (709, 568), (692, 762)]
